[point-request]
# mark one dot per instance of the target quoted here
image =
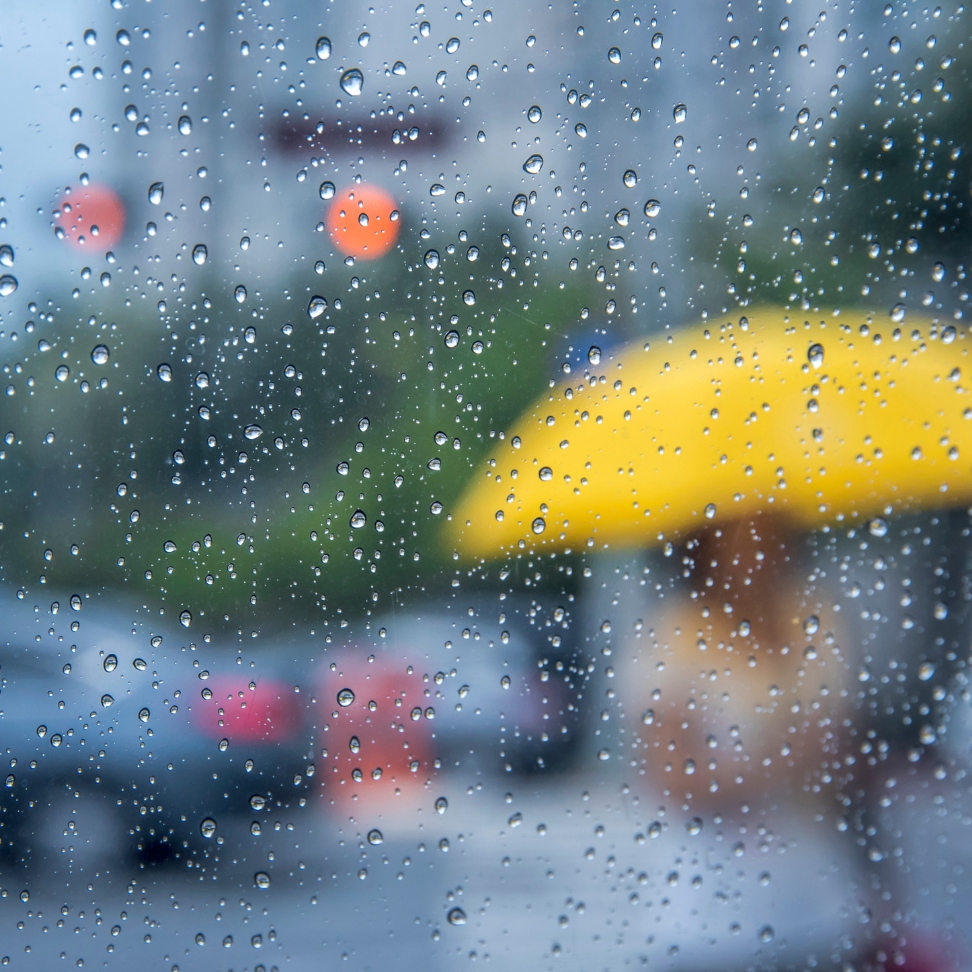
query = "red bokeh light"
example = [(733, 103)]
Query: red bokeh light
[(91, 216)]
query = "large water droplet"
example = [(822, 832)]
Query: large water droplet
[(144, 714), (679, 113), (6, 255), (878, 527), (240, 294), (316, 307), (185, 618), (533, 165), (323, 48), (199, 254), (107, 700), (155, 193), (519, 205), (110, 663), (811, 625), (375, 837), (62, 372), (262, 880), (327, 190), (534, 114), (207, 827), (456, 916), (538, 525), (441, 805), (164, 371), (451, 339), (345, 697), (352, 82), (185, 125), (8, 284), (258, 801), (432, 259), (652, 208), (100, 354), (202, 379), (815, 355), (253, 432), (630, 178), (616, 243), (358, 519), (546, 474)]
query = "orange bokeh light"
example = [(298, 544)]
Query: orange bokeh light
[(360, 222), (91, 216)]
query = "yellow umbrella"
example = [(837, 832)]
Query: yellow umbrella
[(816, 417)]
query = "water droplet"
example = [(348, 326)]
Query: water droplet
[(752, 145), (519, 205), (581, 129), (938, 272), (316, 307), (107, 700), (323, 48), (258, 801), (815, 355), (534, 114), (399, 69), (90, 37), (710, 511), (614, 55), (538, 525), (796, 237), (110, 663), (139, 664), (894, 45), (694, 827), (6, 255), (42, 731), (469, 297), (818, 195), (207, 827), (432, 259), (352, 82), (435, 508), (240, 294), (616, 243), (358, 519), (630, 178), (926, 670), (657, 40), (679, 113), (199, 254), (533, 165), (898, 313), (185, 618), (249, 335), (143, 714), (8, 284), (878, 527), (546, 474), (345, 697), (652, 208), (811, 625), (202, 379), (327, 190), (100, 354), (164, 371), (375, 837), (766, 933), (253, 432), (57, 739), (437, 189), (262, 880), (441, 805), (456, 916), (451, 339)]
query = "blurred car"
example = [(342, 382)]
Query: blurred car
[(124, 737)]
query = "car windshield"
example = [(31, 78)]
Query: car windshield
[(485, 482)]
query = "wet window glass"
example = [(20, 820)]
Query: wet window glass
[(485, 482)]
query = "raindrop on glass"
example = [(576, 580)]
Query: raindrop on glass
[(199, 254), (100, 354), (345, 697), (352, 82)]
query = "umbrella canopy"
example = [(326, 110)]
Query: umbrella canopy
[(817, 418)]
